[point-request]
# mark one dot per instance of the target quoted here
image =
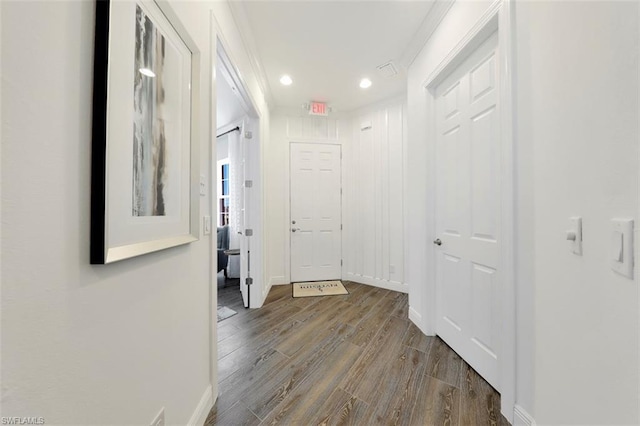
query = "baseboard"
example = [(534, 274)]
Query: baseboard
[(416, 318), (387, 285), (202, 410), (521, 417)]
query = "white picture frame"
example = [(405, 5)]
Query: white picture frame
[(145, 177)]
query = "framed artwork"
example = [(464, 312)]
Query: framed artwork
[(145, 178)]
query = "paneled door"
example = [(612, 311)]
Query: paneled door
[(468, 210), (316, 241)]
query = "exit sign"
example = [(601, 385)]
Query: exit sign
[(318, 108)]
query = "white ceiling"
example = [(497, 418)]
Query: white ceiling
[(328, 46)]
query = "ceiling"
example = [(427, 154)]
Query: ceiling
[(328, 46)]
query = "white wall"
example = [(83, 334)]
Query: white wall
[(578, 117), (576, 154), (86, 344), (373, 212)]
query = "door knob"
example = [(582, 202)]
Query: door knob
[(437, 242), (293, 222), (295, 229)]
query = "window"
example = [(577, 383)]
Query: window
[(223, 194)]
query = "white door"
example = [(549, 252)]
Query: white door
[(468, 210), (316, 241)]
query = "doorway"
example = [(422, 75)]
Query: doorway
[(237, 178), (469, 96), (316, 212)]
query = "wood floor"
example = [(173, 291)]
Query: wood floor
[(352, 359)]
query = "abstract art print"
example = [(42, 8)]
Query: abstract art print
[(144, 160)]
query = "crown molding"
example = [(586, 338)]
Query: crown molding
[(435, 15)]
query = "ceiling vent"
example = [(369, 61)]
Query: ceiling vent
[(387, 70)]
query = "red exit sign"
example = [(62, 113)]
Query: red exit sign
[(318, 108)]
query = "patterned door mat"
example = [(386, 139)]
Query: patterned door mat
[(319, 288)]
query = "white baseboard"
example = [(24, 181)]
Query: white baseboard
[(416, 318), (521, 417), (387, 285), (202, 410)]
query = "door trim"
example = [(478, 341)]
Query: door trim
[(498, 17), (219, 51), (287, 226)]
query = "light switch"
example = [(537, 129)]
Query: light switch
[(574, 234), (621, 247), (616, 246)]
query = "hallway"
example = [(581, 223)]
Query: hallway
[(353, 359)]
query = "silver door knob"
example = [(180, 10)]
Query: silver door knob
[(437, 242), (295, 229), (293, 222)]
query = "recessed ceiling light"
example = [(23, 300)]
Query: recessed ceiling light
[(147, 72), (286, 80), (365, 83)]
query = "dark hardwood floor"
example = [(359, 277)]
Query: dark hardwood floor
[(352, 359)]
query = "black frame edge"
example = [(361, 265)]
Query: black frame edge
[(99, 133)]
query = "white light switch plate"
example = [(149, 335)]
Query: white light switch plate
[(621, 246), (575, 227)]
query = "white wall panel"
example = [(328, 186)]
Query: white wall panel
[(374, 204), (310, 127)]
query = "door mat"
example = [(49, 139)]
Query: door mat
[(224, 313), (319, 288)]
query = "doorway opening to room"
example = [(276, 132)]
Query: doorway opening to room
[(236, 195)]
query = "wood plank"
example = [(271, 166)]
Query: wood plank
[(372, 323), (437, 403), (305, 400), (443, 363), (313, 329), (340, 408), (480, 403), (351, 359), (238, 384), (260, 324), (274, 387), (401, 307), (238, 415), (395, 401), (371, 369), (414, 338), (226, 329), (362, 307)]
